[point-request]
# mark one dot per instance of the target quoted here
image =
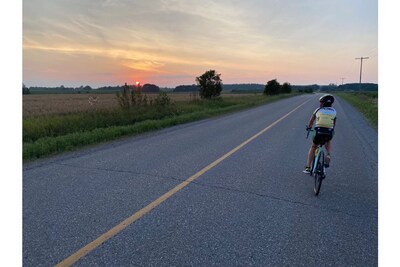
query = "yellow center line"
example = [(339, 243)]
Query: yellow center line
[(122, 225)]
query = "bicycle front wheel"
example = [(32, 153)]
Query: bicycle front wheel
[(319, 173)]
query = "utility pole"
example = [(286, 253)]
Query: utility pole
[(342, 80), (361, 58)]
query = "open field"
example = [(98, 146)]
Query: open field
[(51, 104), (365, 102), (35, 105), (58, 123)]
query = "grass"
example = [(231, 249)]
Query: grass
[(365, 102), (55, 133), (58, 125)]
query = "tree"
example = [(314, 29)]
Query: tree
[(25, 90), (286, 88), (272, 88), (186, 88), (150, 88), (210, 84)]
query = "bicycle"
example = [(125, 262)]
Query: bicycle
[(318, 166)]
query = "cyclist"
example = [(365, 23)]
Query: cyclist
[(325, 121)]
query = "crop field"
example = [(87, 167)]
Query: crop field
[(37, 105), (50, 104), (56, 123)]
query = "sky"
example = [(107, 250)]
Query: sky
[(171, 42)]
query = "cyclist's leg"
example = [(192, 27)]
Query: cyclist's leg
[(328, 153), (311, 154), (328, 147), (314, 145)]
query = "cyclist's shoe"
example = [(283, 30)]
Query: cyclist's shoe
[(327, 161), (307, 170)]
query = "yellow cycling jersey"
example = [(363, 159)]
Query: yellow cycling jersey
[(325, 117)]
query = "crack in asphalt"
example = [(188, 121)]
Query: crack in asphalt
[(280, 199), (122, 171), (225, 188)]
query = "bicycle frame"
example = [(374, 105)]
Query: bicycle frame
[(318, 168), (317, 154)]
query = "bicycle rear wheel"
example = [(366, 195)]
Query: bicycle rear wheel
[(319, 173)]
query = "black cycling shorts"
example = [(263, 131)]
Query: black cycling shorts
[(322, 135)]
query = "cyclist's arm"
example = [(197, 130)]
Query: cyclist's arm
[(311, 121)]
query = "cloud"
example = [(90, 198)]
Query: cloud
[(177, 37)]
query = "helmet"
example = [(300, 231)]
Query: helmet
[(327, 99)]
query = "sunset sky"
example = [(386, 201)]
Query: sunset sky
[(170, 42)]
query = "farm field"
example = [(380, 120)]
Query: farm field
[(57, 123), (36, 105)]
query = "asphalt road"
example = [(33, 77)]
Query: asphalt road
[(254, 208)]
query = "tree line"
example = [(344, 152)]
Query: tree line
[(210, 85), (146, 88)]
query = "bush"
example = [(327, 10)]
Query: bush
[(162, 100), (131, 96)]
